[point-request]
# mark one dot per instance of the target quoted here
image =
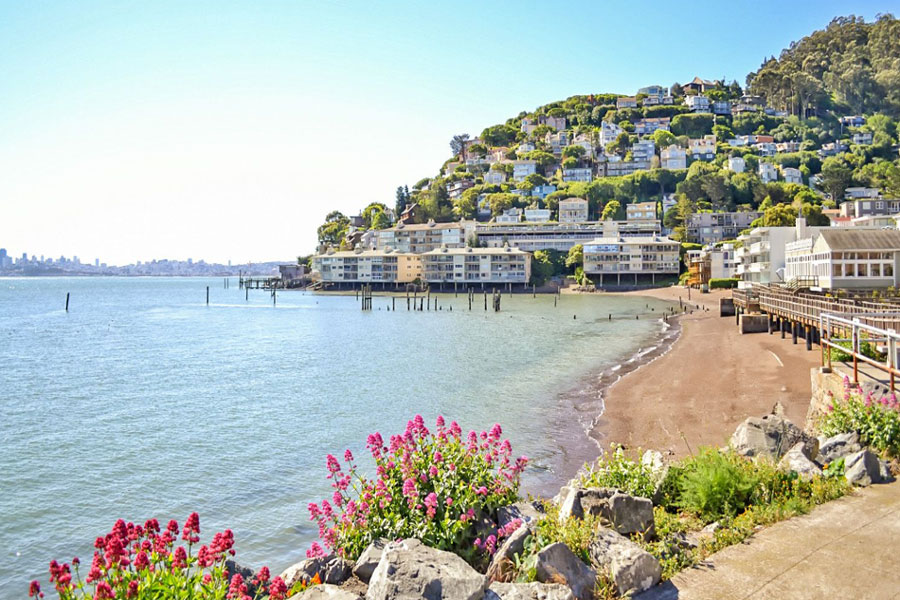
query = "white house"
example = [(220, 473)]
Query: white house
[(697, 103), (510, 215), (703, 148), (643, 150), (766, 148), (608, 133), (577, 174), (736, 164), (721, 107), (494, 177), (523, 168), (537, 215), (573, 210), (791, 146), (524, 147), (767, 172), (792, 175), (863, 138), (626, 102), (673, 157)]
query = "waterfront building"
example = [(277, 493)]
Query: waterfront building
[(845, 258), (355, 266), (761, 258), (573, 210), (469, 265), (556, 236), (608, 258), (709, 227), (424, 237), (711, 262)]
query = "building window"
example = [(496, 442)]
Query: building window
[(862, 270)]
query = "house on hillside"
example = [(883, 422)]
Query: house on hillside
[(697, 103), (721, 107), (557, 123), (765, 148), (455, 189), (698, 85), (767, 172), (792, 175), (495, 177), (862, 138), (654, 91), (736, 164), (673, 157), (582, 174), (784, 147), (649, 125), (523, 168), (573, 210), (643, 150), (608, 133), (529, 125), (703, 148), (409, 214), (626, 102)]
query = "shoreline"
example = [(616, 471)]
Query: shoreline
[(704, 383)]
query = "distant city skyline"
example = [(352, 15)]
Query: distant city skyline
[(229, 130)]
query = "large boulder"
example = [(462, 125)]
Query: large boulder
[(326, 591), (630, 567), (771, 436), (409, 569), (837, 446), (368, 560), (862, 468), (330, 569), (512, 545), (527, 512), (528, 591), (797, 461), (625, 513), (556, 563)]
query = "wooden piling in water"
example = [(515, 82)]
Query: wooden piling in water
[(207, 295), (67, 301)]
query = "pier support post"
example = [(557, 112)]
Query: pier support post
[(781, 326), (67, 302), (794, 328), (207, 295), (808, 332)]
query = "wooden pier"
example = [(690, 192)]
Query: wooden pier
[(260, 283), (830, 322)]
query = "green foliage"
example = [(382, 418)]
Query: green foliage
[(575, 257), (877, 420), (613, 210), (723, 284), (499, 135), (333, 230), (546, 264), (692, 125), (716, 484), (615, 470)]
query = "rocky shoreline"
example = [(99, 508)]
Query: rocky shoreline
[(407, 569)]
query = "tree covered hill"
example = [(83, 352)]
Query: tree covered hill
[(792, 114)]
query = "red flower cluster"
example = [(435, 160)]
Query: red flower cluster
[(133, 560)]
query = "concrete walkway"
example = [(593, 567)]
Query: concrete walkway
[(849, 548)]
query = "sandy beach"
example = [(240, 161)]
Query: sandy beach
[(710, 380)]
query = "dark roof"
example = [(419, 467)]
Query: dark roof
[(861, 239)]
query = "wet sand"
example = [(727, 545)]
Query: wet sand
[(710, 380)]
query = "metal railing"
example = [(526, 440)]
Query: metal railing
[(844, 324)]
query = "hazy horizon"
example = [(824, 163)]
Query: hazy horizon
[(227, 131)]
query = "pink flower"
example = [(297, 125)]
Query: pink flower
[(132, 589), (431, 502), (315, 551), (262, 577), (103, 591), (179, 558), (277, 589), (409, 488), (440, 421), (142, 561), (348, 456), (34, 590), (191, 532)]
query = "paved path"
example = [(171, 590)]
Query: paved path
[(849, 548)]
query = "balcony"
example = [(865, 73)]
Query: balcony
[(759, 247)]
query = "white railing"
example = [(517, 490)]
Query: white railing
[(886, 341)]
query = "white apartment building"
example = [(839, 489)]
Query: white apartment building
[(608, 133), (583, 174), (477, 265), (510, 215), (423, 237), (845, 258), (712, 227), (557, 236), (762, 256), (366, 266), (608, 258), (537, 215), (494, 177), (673, 157)]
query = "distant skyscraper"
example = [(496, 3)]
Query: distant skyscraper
[(96, 262)]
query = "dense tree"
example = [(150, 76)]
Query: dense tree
[(458, 145), (613, 210), (663, 138), (575, 258), (402, 201), (692, 125), (499, 135), (333, 230), (836, 176)]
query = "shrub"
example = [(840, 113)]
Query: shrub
[(876, 420), (716, 484), (433, 487), (728, 283), (134, 561), (615, 470)]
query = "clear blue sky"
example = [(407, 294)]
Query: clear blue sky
[(227, 130)]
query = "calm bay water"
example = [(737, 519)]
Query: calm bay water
[(144, 402)]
